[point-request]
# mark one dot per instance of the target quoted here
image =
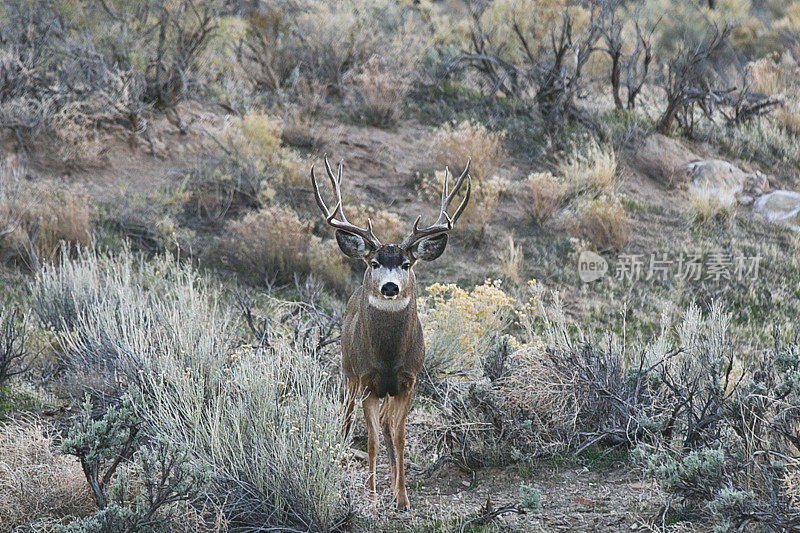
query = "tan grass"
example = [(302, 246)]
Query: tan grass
[(47, 216), (388, 226), (594, 168), (511, 261), (603, 221), (534, 389), (273, 243), (705, 208), (375, 96), (545, 193), (37, 484), (453, 145)]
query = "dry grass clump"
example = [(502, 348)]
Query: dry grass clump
[(57, 216), (545, 193), (453, 145), (274, 244), (603, 221), (375, 96), (540, 396), (511, 261), (36, 219), (779, 78), (36, 484), (594, 169), (298, 131), (705, 208)]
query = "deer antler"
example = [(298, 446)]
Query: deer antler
[(336, 218), (445, 222)]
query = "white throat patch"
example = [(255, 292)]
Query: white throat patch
[(398, 304)]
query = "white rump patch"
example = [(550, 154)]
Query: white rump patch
[(384, 304)]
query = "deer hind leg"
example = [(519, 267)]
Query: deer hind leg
[(398, 413), (388, 438), (371, 405)]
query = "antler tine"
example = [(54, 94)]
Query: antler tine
[(444, 222), (336, 217), (317, 195), (463, 203), (336, 183)]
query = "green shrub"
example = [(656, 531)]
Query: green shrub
[(530, 498)]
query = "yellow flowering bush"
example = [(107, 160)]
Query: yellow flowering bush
[(460, 325)]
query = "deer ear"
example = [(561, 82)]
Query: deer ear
[(430, 248), (352, 245)]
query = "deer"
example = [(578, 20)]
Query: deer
[(383, 349)]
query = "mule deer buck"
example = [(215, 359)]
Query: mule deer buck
[(382, 345)]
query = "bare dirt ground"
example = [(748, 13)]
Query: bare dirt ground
[(575, 498)]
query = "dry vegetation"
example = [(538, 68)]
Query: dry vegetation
[(36, 483), (170, 302)]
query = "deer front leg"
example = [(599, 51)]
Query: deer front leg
[(399, 413), (371, 405), (388, 439), (350, 404)]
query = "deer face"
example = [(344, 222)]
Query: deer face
[(389, 275)]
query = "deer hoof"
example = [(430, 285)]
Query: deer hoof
[(403, 509)]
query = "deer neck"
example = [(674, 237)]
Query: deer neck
[(391, 318)]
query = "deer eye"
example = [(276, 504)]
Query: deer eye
[(406, 266), (374, 264)]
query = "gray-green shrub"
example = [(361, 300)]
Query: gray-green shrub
[(265, 421)]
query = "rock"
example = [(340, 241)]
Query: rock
[(780, 207), (718, 179), (664, 159)]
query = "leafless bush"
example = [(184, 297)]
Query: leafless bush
[(310, 46), (56, 76), (634, 64), (546, 72), (719, 435), (14, 354), (691, 80)]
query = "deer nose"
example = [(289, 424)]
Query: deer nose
[(390, 289)]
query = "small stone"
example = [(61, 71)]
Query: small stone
[(465, 483), (634, 526)]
